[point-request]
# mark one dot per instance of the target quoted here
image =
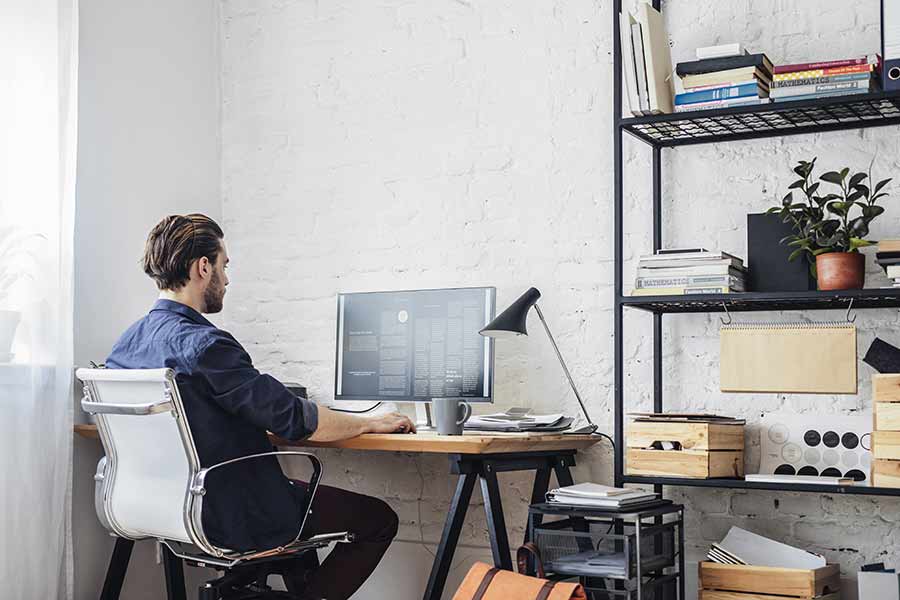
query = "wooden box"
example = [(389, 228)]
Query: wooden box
[(739, 582), (886, 430), (706, 449)]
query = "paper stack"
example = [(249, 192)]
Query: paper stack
[(600, 496), (741, 547), (517, 422)]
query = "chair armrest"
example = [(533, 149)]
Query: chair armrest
[(198, 488), (108, 408)]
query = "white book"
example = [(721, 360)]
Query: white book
[(714, 267), (798, 479), (641, 67), (735, 49), (893, 271), (715, 104), (658, 58), (628, 64), (591, 490), (678, 263)]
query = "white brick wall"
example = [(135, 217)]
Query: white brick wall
[(404, 144)]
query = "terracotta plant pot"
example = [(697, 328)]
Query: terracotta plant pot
[(841, 270)]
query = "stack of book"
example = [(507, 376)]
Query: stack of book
[(600, 496), (646, 61), (723, 77), (888, 256), (806, 81), (690, 271)]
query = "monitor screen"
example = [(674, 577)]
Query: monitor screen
[(415, 345)]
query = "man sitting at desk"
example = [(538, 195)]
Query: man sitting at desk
[(230, 407)]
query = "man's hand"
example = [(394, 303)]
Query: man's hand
[(391, 423)]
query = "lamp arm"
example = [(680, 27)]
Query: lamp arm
[(564, 367)]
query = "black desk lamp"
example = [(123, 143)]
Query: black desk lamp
[(511, 322)]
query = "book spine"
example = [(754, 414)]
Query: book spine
[(746, 90), (803, 90), (726, 84), (823, 72), (751, 101), (819, 80), (820, 95), (641, 67), (682, 291), (721, 64), (695, 281), (823, 65)]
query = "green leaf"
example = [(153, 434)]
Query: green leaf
[(797, 184), (872, 211), (786, 201), (796, 253), (812, 189), (844, 172), (857, 179), (858, 227), (881, 184), (854, 196), (832, 177), (856, 243), (822, 251)]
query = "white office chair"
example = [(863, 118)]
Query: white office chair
[(150, 484)]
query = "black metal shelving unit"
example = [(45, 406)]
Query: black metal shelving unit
[(712, 126)]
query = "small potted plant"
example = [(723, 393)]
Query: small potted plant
[(830, 229)]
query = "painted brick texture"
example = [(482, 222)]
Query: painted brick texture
[(400, 144)]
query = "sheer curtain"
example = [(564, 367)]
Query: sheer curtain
[(38, 66)]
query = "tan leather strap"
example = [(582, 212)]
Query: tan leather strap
[(545, 591), (522, 559), (485, 583)]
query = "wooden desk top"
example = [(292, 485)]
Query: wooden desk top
[(470, 443)]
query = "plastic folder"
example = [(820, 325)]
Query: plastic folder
[(812, 358)]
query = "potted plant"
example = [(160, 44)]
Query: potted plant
[(13, 268), (830, 229)]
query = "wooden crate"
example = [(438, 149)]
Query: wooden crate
[(887, 416), (692, 464), (707, 450), (886, 445), (886, 387), (739, 582), (720, 595), (886, 430)]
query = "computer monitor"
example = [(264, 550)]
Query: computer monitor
[(414, 346)]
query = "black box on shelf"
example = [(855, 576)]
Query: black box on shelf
[(769, 269)]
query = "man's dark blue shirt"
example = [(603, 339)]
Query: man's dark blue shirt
[(230, 406)]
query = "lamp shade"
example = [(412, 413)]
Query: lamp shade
[(511, 322)]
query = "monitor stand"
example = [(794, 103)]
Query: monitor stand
[(424, 422)]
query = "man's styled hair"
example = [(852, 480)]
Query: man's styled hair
[(175, 243)]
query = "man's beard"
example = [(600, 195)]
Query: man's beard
[(214, 296)]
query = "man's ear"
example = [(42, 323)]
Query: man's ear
[(204, 269)]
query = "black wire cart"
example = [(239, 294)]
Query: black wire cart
[(635, 554)]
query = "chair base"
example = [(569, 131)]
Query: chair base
[(248, 582)]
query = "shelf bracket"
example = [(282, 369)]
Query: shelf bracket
[(728, 314)]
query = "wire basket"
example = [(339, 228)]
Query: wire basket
[(661, 588), (583, 548)]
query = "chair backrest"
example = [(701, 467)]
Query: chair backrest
[(151, 458)]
